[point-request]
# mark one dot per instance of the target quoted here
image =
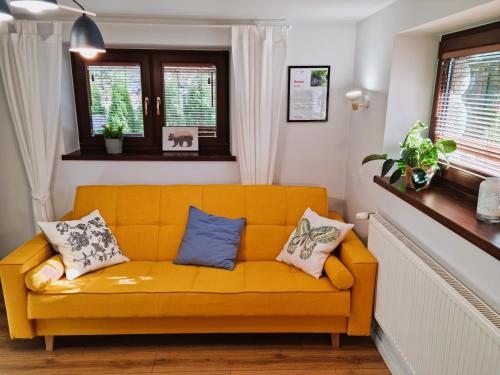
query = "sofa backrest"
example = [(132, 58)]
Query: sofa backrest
[(149, 221)]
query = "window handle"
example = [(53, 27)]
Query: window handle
[(158, 103), (146, 106)]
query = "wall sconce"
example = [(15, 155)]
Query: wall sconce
[(355, 96)]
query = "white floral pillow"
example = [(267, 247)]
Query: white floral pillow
[(85, 245), (312, 241)]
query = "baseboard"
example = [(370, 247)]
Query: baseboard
[(392, 358)]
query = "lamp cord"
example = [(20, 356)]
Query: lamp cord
[(80, 5)]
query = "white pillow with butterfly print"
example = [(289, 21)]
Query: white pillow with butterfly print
[(85, 245), (312, 241)]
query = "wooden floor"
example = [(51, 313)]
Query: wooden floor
[(268, 354)]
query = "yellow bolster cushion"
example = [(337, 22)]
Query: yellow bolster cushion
[(40, 277), (338, 274)]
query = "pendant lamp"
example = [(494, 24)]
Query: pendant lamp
[(5, 14), (86, 39)]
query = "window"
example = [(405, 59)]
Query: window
[(190, 94), (468, 110), (116, 97), (149, 89), (467, 101)]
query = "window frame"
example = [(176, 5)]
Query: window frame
[(152, 87), (220, 144), (88, 142), (480, 39)]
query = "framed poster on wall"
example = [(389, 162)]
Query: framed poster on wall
[(308, 93)]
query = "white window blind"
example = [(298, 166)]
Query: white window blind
[(190, 97), (468, 111), (116, 97)]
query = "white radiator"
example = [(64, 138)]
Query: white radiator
[(437, 324)]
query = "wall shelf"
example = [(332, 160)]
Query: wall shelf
[(159, 156)]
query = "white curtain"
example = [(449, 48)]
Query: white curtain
[(30, 65), (259, 69)]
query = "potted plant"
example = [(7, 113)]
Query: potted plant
[(113, 136), (419, 158)]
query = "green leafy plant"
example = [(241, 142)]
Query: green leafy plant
[(419, 155), (114, 131)]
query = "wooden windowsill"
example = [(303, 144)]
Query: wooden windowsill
[(159, 156), (453, 209)]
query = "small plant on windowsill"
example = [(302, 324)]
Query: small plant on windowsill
[(419, 158), (113, 136)]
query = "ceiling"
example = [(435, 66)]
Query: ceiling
[(238, 9)]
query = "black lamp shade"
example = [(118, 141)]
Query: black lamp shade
[(5, 13), (86, 37)]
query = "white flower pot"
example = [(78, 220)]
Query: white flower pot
[(114, 146)]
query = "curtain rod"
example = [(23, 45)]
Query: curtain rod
[(168, 22), (190, 21), (187, 25), (217, 26)]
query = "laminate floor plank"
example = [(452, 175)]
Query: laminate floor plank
[(267, 359), (204, 354), (315, 372), (103, 363), (199, 372)]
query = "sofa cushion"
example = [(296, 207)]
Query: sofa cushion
[(312, 242), (210, 241), (85, 245), (338, 273), (162, 289), (39, 278)]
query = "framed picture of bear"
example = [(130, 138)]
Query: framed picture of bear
[(180, 138)]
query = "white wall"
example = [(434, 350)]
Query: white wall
[(398, 68), (379, 128), (308, 154), (316, 153)]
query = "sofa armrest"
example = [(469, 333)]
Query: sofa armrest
[(12, 271), (363, 265), (338, 274), (28, 255)]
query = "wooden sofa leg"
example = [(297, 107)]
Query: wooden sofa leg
[(49, 343), (335, 340)]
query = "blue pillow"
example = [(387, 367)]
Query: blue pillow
[(210, 241)]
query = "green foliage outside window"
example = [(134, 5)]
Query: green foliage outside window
[(96, 97), (116, 98), (199, 104), (121, 111), (173, 102), (189, 101)]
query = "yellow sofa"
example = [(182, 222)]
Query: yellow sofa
[(152, 295)]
